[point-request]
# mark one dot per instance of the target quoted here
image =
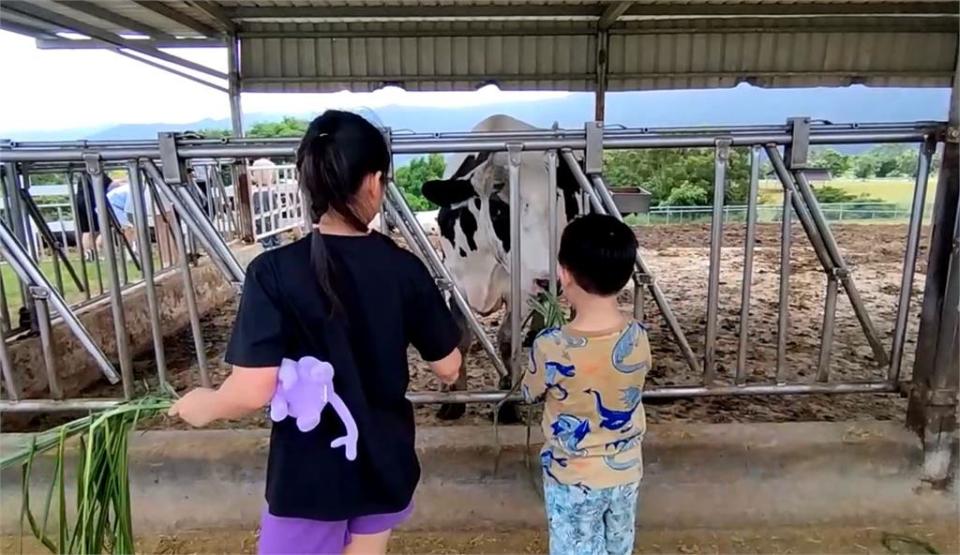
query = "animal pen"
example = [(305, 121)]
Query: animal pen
[(279, 49)]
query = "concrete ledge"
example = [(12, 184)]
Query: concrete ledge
[(702, 476)]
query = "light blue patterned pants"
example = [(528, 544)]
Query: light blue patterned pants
[(590, 522)]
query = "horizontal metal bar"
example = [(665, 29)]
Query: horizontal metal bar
[(495, 396), (493, 142)]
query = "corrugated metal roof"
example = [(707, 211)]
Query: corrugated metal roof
[(560, 55), (330, 45)]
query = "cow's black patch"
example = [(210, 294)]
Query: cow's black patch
[(444, 192), (463, 253), (469, 164), (477, 203), (468, 224), (446, 220), (500, 218)]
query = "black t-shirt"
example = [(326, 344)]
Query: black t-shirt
[(389, 302)]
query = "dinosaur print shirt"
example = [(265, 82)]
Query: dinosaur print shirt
[(593, 418)]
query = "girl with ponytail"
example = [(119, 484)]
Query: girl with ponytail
[(327, 320)]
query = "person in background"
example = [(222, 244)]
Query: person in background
[(346, 302), (118, 197), (88, 223), (591, 373), (161, 220)]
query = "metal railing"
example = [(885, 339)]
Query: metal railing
[(160, 168), (276, 202), (772, 213)]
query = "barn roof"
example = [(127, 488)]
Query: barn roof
[(361, 45)]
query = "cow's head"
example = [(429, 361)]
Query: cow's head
[(474, 222)]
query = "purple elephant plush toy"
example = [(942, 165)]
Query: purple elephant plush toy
[(304, 387)]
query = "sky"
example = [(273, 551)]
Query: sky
[(127, 91)]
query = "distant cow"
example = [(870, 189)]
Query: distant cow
[(474, 223)]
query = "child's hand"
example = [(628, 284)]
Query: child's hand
[(448, 377), (196, 407)]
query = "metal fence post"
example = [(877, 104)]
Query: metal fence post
[(514, 151), (748, 245), (910, 257), (95, 170), (721, 159)]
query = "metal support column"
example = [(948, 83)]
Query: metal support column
[(783, 306), (233, 84), (553, 231), (721, 159), (141, 222), (932, 410), (40, 298), (600, 90), (517, 301), (95, 170), (748, 247), (910, 256)]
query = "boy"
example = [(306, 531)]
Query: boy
[(591, 373)]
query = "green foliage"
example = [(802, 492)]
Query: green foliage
[(829, 159), (287, 127), (864, 167), (827, 194), (687, 194), (662, 171), (215, 133), (48, 179), (548, 307), (411, 177)]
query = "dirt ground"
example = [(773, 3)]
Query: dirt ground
[(918, 538), (678, 256)]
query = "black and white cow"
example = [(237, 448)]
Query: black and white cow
[(474, 224)]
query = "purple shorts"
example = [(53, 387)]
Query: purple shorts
[(287, 536)]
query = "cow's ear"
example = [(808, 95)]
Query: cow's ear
[(444, 192)]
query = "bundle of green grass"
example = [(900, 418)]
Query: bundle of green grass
[(102, 519)]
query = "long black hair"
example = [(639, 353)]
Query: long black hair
[(337, 152)]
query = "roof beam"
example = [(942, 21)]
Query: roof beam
[(25, 29), (80, 44), (166, 10), (612, 14), (217, 13), (633, 9), (169, 69), (94, 10), (916, 7), (413, 12), (30, 11)]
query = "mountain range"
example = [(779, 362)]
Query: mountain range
[(742, 105)]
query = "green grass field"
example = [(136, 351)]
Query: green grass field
[(898, 191), (11, 283)]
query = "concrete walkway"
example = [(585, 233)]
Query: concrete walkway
[(731, 476)]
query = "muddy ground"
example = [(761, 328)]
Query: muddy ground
[(678, 257)]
